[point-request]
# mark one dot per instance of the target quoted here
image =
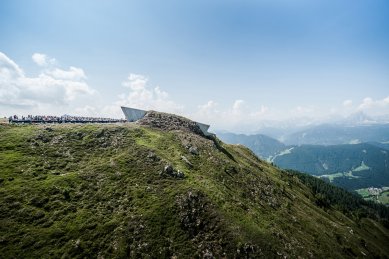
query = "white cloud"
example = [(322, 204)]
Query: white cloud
[(42, 59), (135, 82), (58, 87), (73, 73), (374, 107), (8, 68), (237, 117), (261, 112), (208, 109), (366, 103), (55, 86), (208, 112), (347, 103), (238, 107), (241, 116), (142, 96)]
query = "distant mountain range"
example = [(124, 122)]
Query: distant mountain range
[(353, 157), (333, 134), (327, 131)]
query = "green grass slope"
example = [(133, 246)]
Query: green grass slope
[(99, 191)]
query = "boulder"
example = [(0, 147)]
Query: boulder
[(187, 161), (180, 174), (152, 156), (193, 150), (168, 169)]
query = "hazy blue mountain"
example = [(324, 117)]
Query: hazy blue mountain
[(350, 166), (333, 134), (262, 145), (384, 145)]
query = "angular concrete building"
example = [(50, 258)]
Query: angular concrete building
[(204, 128), (132, 115)]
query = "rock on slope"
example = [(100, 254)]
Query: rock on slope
[(101, 191)]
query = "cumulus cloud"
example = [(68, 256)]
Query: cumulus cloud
[(237, 116), (145, 97), (136, 82), (238, 107), (374, 107), (142, 96), (74, 73), (261, 112), (347, 103), (208, 109), (52, 86), (8, 68), (42, 59), (366, 103)]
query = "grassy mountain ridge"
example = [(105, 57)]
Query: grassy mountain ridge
[(102, 191)]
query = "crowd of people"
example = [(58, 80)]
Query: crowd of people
[(60, 119)]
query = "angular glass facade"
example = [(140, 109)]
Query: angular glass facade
[(133, 114)]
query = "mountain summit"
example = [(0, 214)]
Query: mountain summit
[(158, 188), (168, 122)]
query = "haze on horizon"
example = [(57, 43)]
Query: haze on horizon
[(227, 63)]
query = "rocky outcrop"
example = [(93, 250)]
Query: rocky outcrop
[(193, 150), (199, 219), (166, 121), (170, 171)]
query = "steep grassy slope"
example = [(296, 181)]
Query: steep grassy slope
[(262, 145), (101, 191), (356, 167)]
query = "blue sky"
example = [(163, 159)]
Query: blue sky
[(222, 62)]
